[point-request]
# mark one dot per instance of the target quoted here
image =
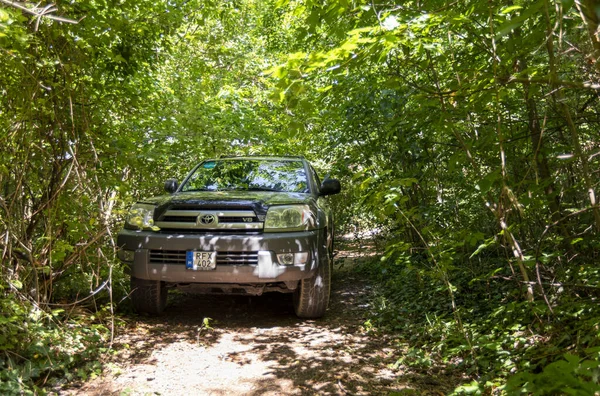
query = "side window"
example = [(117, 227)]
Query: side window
[(315, 178)]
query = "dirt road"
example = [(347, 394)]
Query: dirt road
[(256, 346)]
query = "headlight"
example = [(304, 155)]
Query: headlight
[(290, 218), (141, 216)]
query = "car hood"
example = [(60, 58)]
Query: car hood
[(258, 200)]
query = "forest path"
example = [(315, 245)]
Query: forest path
[(256, 346)]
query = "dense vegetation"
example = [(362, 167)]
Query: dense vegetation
[(466, 135)]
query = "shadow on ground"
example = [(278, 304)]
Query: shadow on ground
[(256, 346)]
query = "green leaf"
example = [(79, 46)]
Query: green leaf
[(514, 23), (510, 9), (485, 184), (17, 284)]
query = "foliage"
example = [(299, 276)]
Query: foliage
[(465, 133), (569, 375), (40, 348), (499, 336), (95, 113), (70, 128)]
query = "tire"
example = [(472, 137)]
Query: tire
[(312, 295), (148, 296)]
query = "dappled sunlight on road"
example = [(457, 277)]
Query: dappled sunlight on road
[(254, 346)]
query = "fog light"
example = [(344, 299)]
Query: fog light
[(126, 255), (286, 258), (292, 258)]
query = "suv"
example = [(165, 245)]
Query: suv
[(236, 225)]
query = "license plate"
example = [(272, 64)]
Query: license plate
[(201, 260)]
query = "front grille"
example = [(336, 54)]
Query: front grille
[(222, 219), (205, 233), (237, 258), (237, 219), (167, 256), (178, 257), (180, 219), (187, 217)]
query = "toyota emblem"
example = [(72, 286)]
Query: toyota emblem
[(207, 219)]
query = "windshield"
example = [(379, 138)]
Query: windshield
[(248, 175)]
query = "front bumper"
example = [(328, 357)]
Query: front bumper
[(268, 245)]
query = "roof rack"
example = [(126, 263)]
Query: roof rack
[(261, 155)]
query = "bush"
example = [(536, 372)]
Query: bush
[(39, 349), (494, 336)]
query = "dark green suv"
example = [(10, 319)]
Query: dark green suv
[(236, 225)]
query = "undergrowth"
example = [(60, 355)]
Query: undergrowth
[(504, 343), (42, 349)]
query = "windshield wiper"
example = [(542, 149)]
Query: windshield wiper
[(198, 189)]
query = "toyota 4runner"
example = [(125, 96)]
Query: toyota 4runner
[(236, 225)]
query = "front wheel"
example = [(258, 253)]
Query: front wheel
[(312, 295), (148, 296)]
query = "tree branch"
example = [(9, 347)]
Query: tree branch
[(39, 12), (560, 83)]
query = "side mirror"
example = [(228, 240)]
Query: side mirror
[(330, 187), (171, 186)]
